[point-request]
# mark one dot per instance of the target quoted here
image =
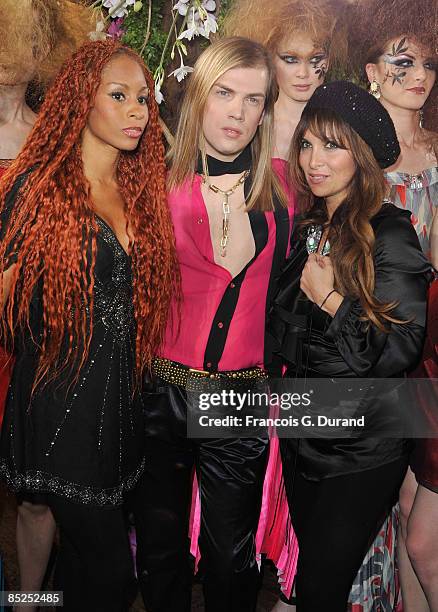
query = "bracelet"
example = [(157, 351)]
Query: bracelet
[(327, 297)]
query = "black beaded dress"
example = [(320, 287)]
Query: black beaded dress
[(83, 441)]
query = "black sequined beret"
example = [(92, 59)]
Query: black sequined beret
[(363, 113)]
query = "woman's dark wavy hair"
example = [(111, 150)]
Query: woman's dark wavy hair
[(350, 233), (53, 226)]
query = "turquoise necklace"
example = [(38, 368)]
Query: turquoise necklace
[(314, 234)]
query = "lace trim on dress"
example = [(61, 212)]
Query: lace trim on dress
[(37, 481)]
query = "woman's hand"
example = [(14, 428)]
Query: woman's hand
[(317, 282), (317, 279)]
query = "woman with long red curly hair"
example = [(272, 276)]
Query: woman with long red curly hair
[(88, 267), (56, 28)]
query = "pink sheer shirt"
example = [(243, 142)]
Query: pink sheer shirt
[(204, 283)]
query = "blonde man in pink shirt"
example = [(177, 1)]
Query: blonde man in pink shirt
[(232, 226)]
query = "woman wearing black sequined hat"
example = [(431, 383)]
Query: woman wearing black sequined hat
[(351, 303)]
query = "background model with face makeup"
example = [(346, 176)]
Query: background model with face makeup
[(396, 45), (400, 59), (306, 39), (89, 270)]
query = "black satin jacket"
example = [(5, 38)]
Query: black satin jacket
[(311, 344)]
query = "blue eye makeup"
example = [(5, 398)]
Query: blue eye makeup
[(401, 58), (402, 62), (317, 59), (289, 59)]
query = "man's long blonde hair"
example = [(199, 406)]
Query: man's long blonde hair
[(221, 56)]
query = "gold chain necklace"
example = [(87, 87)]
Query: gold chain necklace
[(226, 208)]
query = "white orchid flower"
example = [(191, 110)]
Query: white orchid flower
[(117, 8), (181, 72), (159, 98), (182, 6)]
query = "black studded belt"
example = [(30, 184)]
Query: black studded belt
[(178, 374)]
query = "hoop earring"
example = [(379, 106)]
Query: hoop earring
[(421, 114), (375, 89)]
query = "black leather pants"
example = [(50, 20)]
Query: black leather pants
[(230, 474)]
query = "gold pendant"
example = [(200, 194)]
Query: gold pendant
[(225, 223), (226, 210)]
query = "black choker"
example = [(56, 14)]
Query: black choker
[(216, 167)]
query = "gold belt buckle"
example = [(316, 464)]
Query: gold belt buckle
[(199, 371)]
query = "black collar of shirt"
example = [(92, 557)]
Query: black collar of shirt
[(217, 167)]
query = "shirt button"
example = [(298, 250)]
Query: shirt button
[(209, 364), (232, 285), (220, 325), (200, 220)]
